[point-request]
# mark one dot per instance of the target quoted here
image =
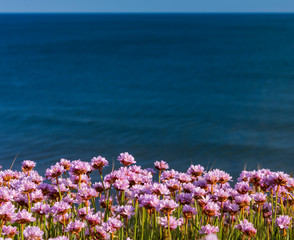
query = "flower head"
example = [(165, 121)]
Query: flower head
[(283, 221), (126, 159), (33, 233)]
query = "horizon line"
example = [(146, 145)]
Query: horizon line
[(283, 12)]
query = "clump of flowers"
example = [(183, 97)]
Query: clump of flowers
[(135, 203)]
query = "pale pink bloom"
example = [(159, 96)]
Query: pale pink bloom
[(283, 221), (126, 159), (99, 162), (247, 228), (173, 222), (208, 229), (161, 165), (33, 233)]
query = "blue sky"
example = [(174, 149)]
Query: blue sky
[(146, 6)]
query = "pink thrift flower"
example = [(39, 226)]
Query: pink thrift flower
[(33, 233), (126, 159), (27, 165), (9, 231), (173, 222), (79, 167), (7, 212), (195, 170), (208, 229), (283, 221), (167, 206), (54, 172), (75, 227), (99, 162), (24, 216), (211, 209), (210, 237), (247, 228), (189, 211), (161, 165)]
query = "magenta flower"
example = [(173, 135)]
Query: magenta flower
[(208, 229), (33, 233), (280, 178), (100, 233), (184, 198), (24, 216), (78, 167), (41, 208), (148, 201), (172, 185), (173, 222), (259, 198), (243, 200), (211, 209), (113, 224), (210, 237), (247, 228), (283, 221), (167, 206), (86, 193), (126, 211), (189, 211), (9, 231), (54, 172), (27, 165), (64, 163), (75, 227), (60, 208), (242, 187), (195, 170), (121, 185), (99, 162), (93, 219), (7, 213), (126, 159), (161, 165)]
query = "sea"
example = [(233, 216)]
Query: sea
[(209, 89)]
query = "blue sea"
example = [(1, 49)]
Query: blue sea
[(209, 89)]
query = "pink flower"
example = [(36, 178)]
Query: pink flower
[(126, 159), (208, 229), (167, 206), (54, 172), (33, 233), (184, 198), (75, 227), (9, 231), (99, 162), (173, 222), (242, 187), (211, 209), (27, 165), (60, 208), (7, 213), (283, 221), (189, 211), (101, 233), (78, 167), (247, 228), (195, 170), (24, 216), (162, 165), (259, 198)]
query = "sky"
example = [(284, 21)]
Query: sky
[(133, 6)]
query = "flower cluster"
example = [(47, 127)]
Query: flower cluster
[(135, 203)]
